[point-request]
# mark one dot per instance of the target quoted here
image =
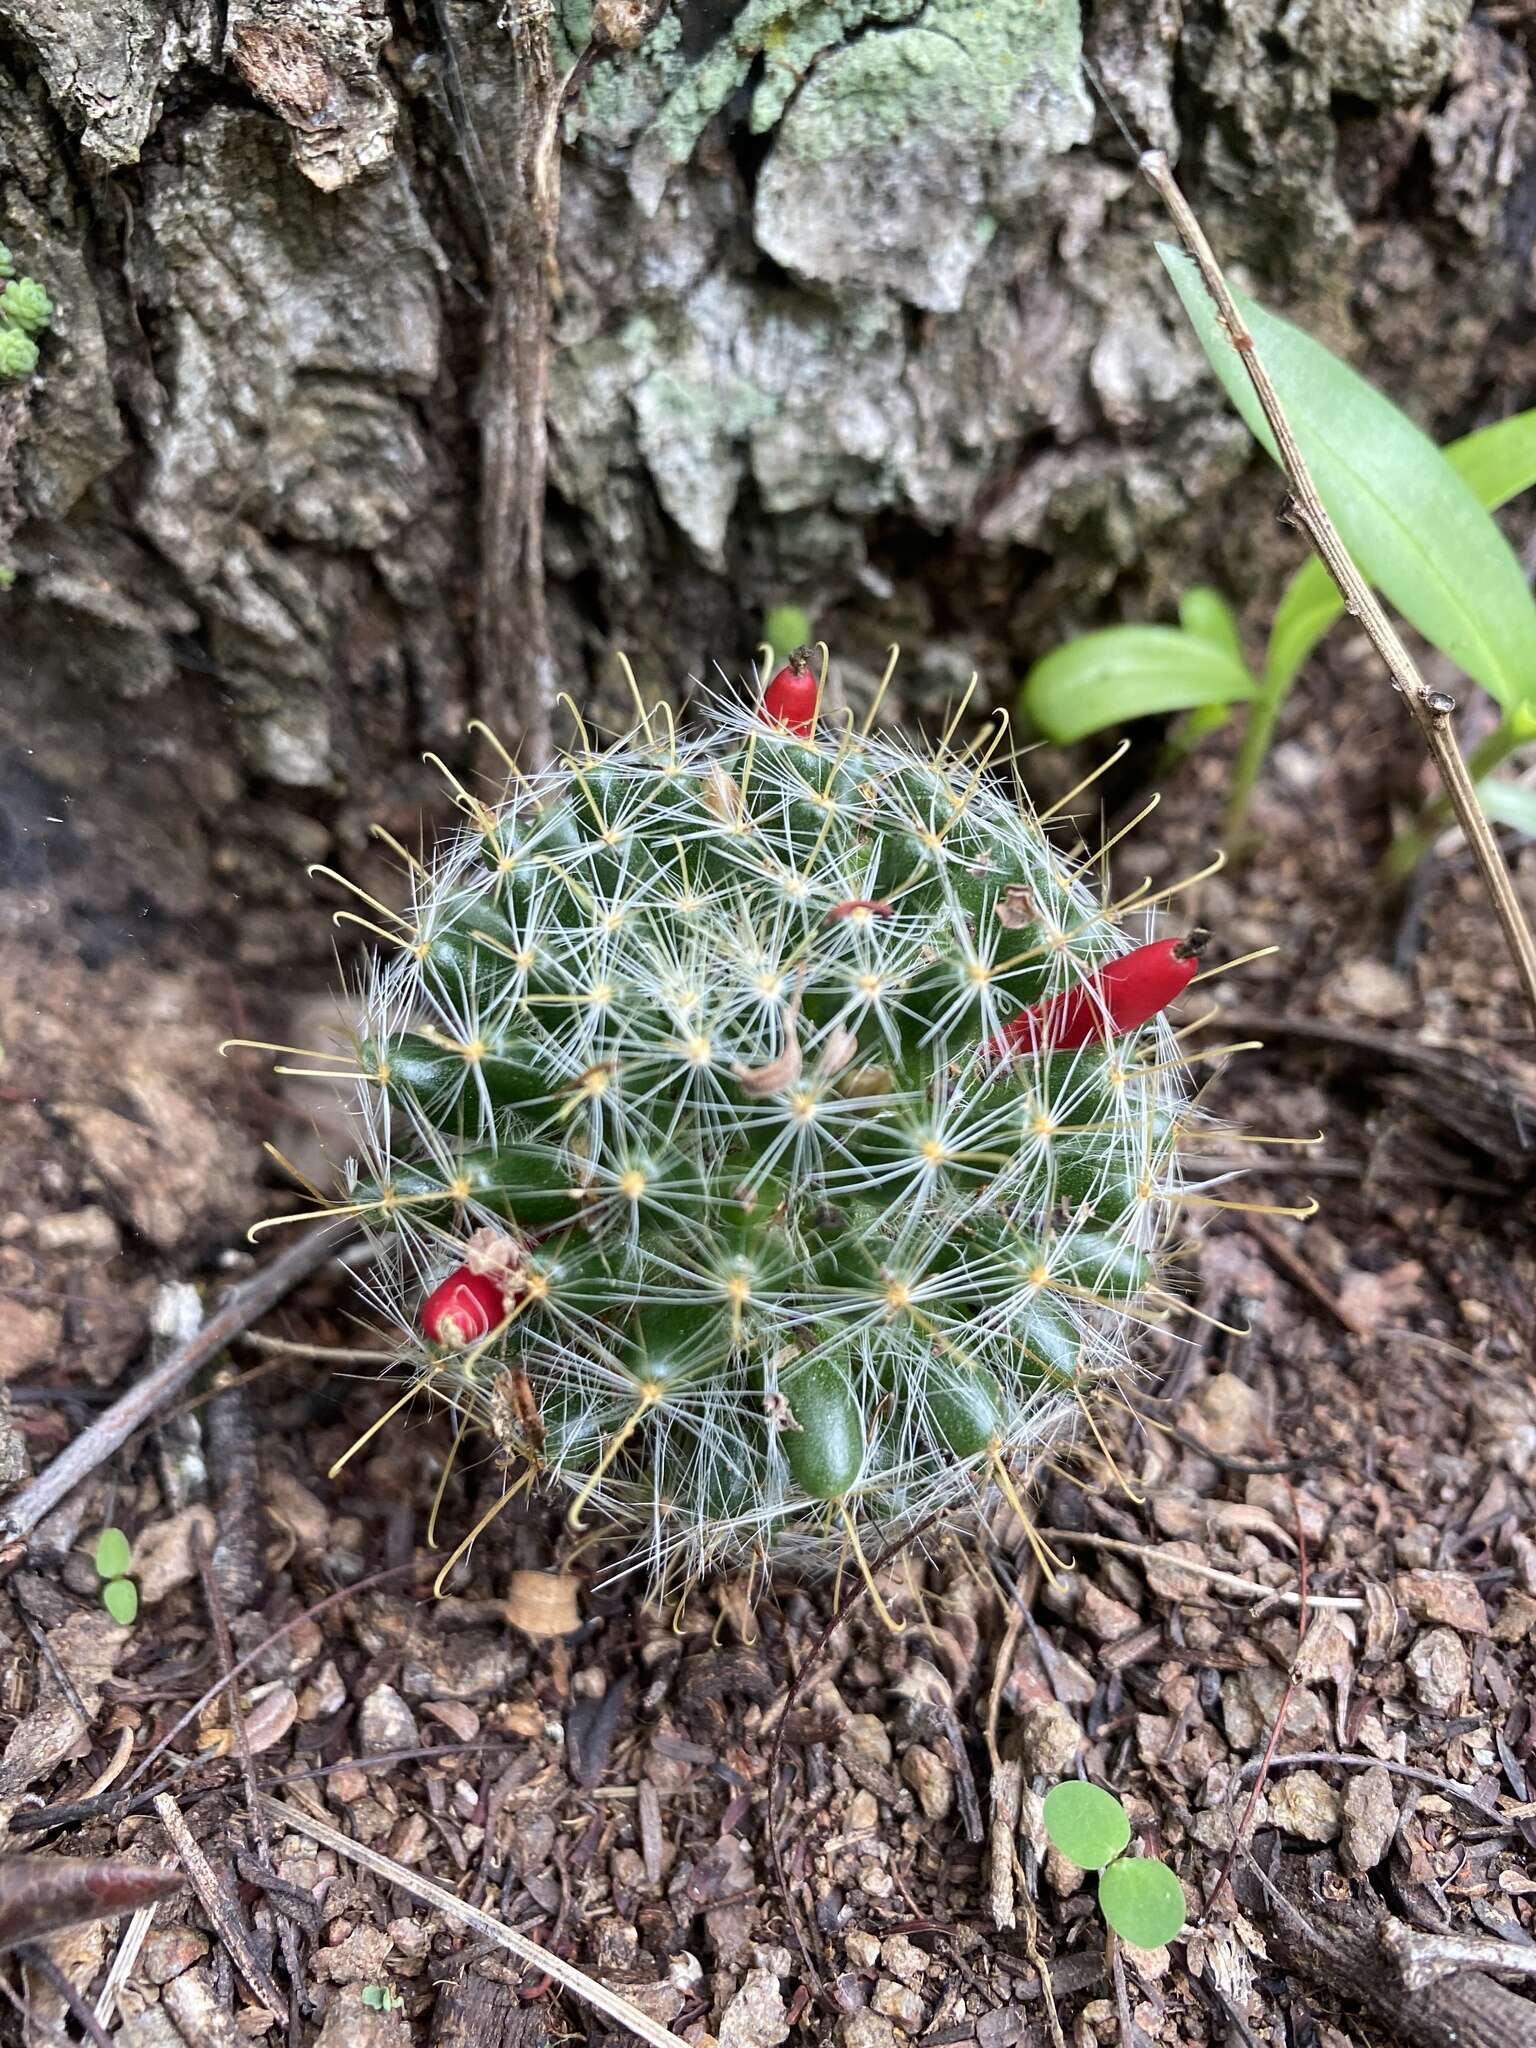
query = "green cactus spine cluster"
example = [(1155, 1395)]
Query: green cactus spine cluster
[(688, 1043)]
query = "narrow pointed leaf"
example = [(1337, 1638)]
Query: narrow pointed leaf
[(1414, 527), (1509, 803), (1205, 615), (1128, 672), (1497, 463), (39, 1895), (1142, 1900)]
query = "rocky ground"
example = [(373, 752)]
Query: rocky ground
[(1297, 1635)]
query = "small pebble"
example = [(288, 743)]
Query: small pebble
[(1440, 1669), (1369, 1810), (866, 1741), (385, 1722), (1305, 1804), (755, 2017), (1448, 1597), (903, 1958), (900, 2003), (89, 1233), (1049, 1739), (868, 2030), (931, 1779)]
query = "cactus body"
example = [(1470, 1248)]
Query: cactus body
[(692, 1047)]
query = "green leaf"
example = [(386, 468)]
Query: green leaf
[(1205, 615), (1412, 524), (1142, 1900), (785, 628), (1087, 1825), (114, 1554), (1509, 803), (1128, 672), (1497, 463), (120, 1597)]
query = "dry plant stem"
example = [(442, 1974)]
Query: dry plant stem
[(1431, 709), (610, 2004), (1348, 1946), (1424, 1959), (1358, 1760), (41, 1964), (258, 1817), (124, 1962), (1303, 1622), (112, 1429), (1345, 1602), (219, 1907), (517, 663)]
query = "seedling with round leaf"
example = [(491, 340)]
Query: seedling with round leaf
[(768, 1133), (1140, 1897), (114, 1561)]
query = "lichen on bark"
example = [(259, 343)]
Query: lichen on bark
[(853, 304)]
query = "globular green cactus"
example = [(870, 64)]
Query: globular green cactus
[(717, 1156)]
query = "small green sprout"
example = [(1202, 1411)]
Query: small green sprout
[(25, 310), (1416, 519), (787, 626), (114, 1560), (1140, 1897), (381, 1998), (25, 304), (18, 353)]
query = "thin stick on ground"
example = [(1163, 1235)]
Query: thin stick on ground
[(1303, 1623), (1431, 709), (610, 2004), (220, 1908), (1152, 1553), (32, 1821), (260, 1832), (113, 1427)]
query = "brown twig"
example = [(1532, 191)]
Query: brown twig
[(1431, 709), (260, 1833), (1356, 1761), (1296, 1269), (1423, 1959), (1150, 1552), (1346, 1945), (29, 1822), (219, 1907), (41, 1964), (611, 2004), (42, 1895), (112, 1429), (1303, 1619)]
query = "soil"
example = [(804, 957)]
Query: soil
[(1297, 1636)]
